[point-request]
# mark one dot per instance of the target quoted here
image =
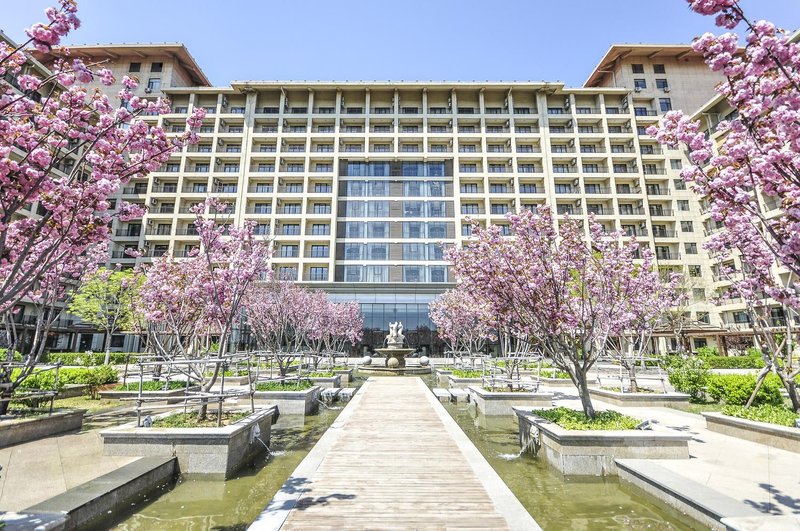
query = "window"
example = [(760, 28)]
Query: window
[(698, 294), (683, 205), (591, 168), (498, 188), (117, 341), (469, 208), (662, 84), (470, 188), (154, 84), (690, 248), (592, 188), (499, 209), (563, 188), (527, 188), (319, 251), (292, 229), (319, 229), (641, 130), (321, 208), (659, 69), (588, 149), (639, 84), (291, 208), (687, 226), (694, 271), (318, 273), (561, 168), (665, 104), (290, 251), (135, 67), (703, 317), (679, 184), (468, 168), (156, 67), (626, 210), (466, 230), (675, 164), (586, 129), (637, 68)]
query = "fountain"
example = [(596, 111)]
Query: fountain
[(395, 355)]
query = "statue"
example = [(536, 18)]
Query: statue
[(395, 337)]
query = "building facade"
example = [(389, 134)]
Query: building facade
[(362, 186)]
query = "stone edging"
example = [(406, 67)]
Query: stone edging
[(773, 435)]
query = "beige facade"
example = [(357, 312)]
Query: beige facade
[(362, 184)]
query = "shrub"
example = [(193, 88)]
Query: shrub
[(688, 375), (152, 385), (90, 376), (780, 415), (571, 419), (321, 374), (735, 389), (753, 352), (734, 362), (466, 373), (84, 359), (707, 351), (4, 351), (281, 385)]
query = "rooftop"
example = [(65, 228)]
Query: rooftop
[(176, 50), (620, 51)]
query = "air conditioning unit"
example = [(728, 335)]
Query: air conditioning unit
[(148, 90), (224, 102), (576, 182), (149, 222), (637, 89), (220, 143), (666, 89)]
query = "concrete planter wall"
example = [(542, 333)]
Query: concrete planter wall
[(31, 428), (592, 452), (462, 383), (290, 402), (494, 403), (441, 376), (556, 382), (73, 390), (346, 375), (334, 381), (211, 452), (782, 437), (172, 397), (617, 398)]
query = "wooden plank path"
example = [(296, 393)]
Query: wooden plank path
[(394, 459)]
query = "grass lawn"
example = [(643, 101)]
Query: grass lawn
[(189, 420), (89, 404)]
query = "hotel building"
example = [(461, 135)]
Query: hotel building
[(363, 185)]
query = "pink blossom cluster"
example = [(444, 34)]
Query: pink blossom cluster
[(66, 152), (285, 316), (757, 161), (568, 294), (463, 321), (184, 300)]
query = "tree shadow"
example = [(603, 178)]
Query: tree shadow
[(298, 485), (777, 498)]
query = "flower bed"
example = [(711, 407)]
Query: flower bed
[(643, 398), (495, 402), (295, 398), (770, 434), (590, 447), (173, 395), (208, 451)]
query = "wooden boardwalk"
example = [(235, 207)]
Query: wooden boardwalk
[(394, 459)]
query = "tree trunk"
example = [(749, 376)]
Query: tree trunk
[(108, 349), (583, 392), (5, 403), (759, 381), (634, 388)]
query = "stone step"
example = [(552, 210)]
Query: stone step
[(346, 393), (442, 395), (459, 395), (329, 394)]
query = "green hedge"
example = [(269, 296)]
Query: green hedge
[(733, 362), (688, 375), (4, 352), (735, 389), (780, 415), (571, 419), (152, 385), (90, 376), (87, 360)]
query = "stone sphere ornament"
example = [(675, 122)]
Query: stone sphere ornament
[(393, 363), (366, 360), (424, 361)]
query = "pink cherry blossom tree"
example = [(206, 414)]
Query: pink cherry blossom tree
[(749, 175), (65, 149), (555, 287), (203, 294), (461, 320)]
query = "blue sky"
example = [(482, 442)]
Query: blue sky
[(400, 40)]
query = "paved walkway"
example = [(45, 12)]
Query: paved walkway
[(394, 459), (754, 474)]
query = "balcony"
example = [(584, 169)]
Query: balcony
[(164, 188), (631, 211), (290, 189), (664, 233), (188, 231), (668, 256), (587, 110), (661, 212), (654, 171), (640, 111), (128, 232), (260, 210), (159, 232), (597, 190), (657, 191), (260, 189)]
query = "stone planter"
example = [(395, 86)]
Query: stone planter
[(592, 452), (72, 391), (325, 383), (441, 376), (172, 397), (557, 382), (26, 429), (346, 376), (211, 452), (616, 398), (236, 380), (782, 437), (462, 383), (290, 402), (495, 403)]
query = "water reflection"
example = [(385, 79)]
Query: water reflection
[(558, 502), (233, 504)]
